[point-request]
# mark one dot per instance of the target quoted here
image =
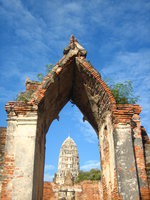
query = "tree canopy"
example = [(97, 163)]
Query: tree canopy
[(48, 69), (122, 91), (93, 174)]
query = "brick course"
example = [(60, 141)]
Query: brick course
[(2, 153), (91, 190)]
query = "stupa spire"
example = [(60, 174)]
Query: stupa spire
[(68, 161)]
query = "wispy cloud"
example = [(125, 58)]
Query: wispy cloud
[(118, 32), (129, 64), (7, 95), (58, 20), (48, 177), (90, 164), (121, 18), (49, 167), (49, 172), (134, 66), (85, 128)]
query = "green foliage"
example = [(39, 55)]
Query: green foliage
[(93, 174), (40, 77), (48, 70), (23, 97), (122, 92)]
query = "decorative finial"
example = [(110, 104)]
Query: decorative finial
[(74, 45), (72, 39)]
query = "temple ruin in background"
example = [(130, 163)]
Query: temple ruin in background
[(68, 161), (123, 143), (68, 170)]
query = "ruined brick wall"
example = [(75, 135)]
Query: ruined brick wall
[(146, 145), (48, 193), (2, 151), (139, 157), (2, 147), (6, 166), (90, 190)]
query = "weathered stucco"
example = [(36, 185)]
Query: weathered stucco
[(19, 156), (107, 156), (125, 163), (146, 146), (117, 127)]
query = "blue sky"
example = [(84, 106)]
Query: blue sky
[(116, 35)]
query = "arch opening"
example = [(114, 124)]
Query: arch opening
[(80, 133), (79, 82)]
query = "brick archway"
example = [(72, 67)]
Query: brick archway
[(73, 78)]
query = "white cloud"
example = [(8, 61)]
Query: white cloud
[(48, 177), (133, 66), (57, 20), (48, 171), (49, 167), (7, 95), (121, 18), (85, 128), (128, 65), (91, 164), (88, 132), (44, 30)]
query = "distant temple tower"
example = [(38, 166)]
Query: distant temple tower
[(68, 164)]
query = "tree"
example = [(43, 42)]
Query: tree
[(48, 70), (40, 77), (93, 174), (122, 92)]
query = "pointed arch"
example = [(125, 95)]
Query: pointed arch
[(73, 78)]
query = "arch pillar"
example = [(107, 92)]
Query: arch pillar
[(19, 152), (139, 156), (107, 158), (125, 160)]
